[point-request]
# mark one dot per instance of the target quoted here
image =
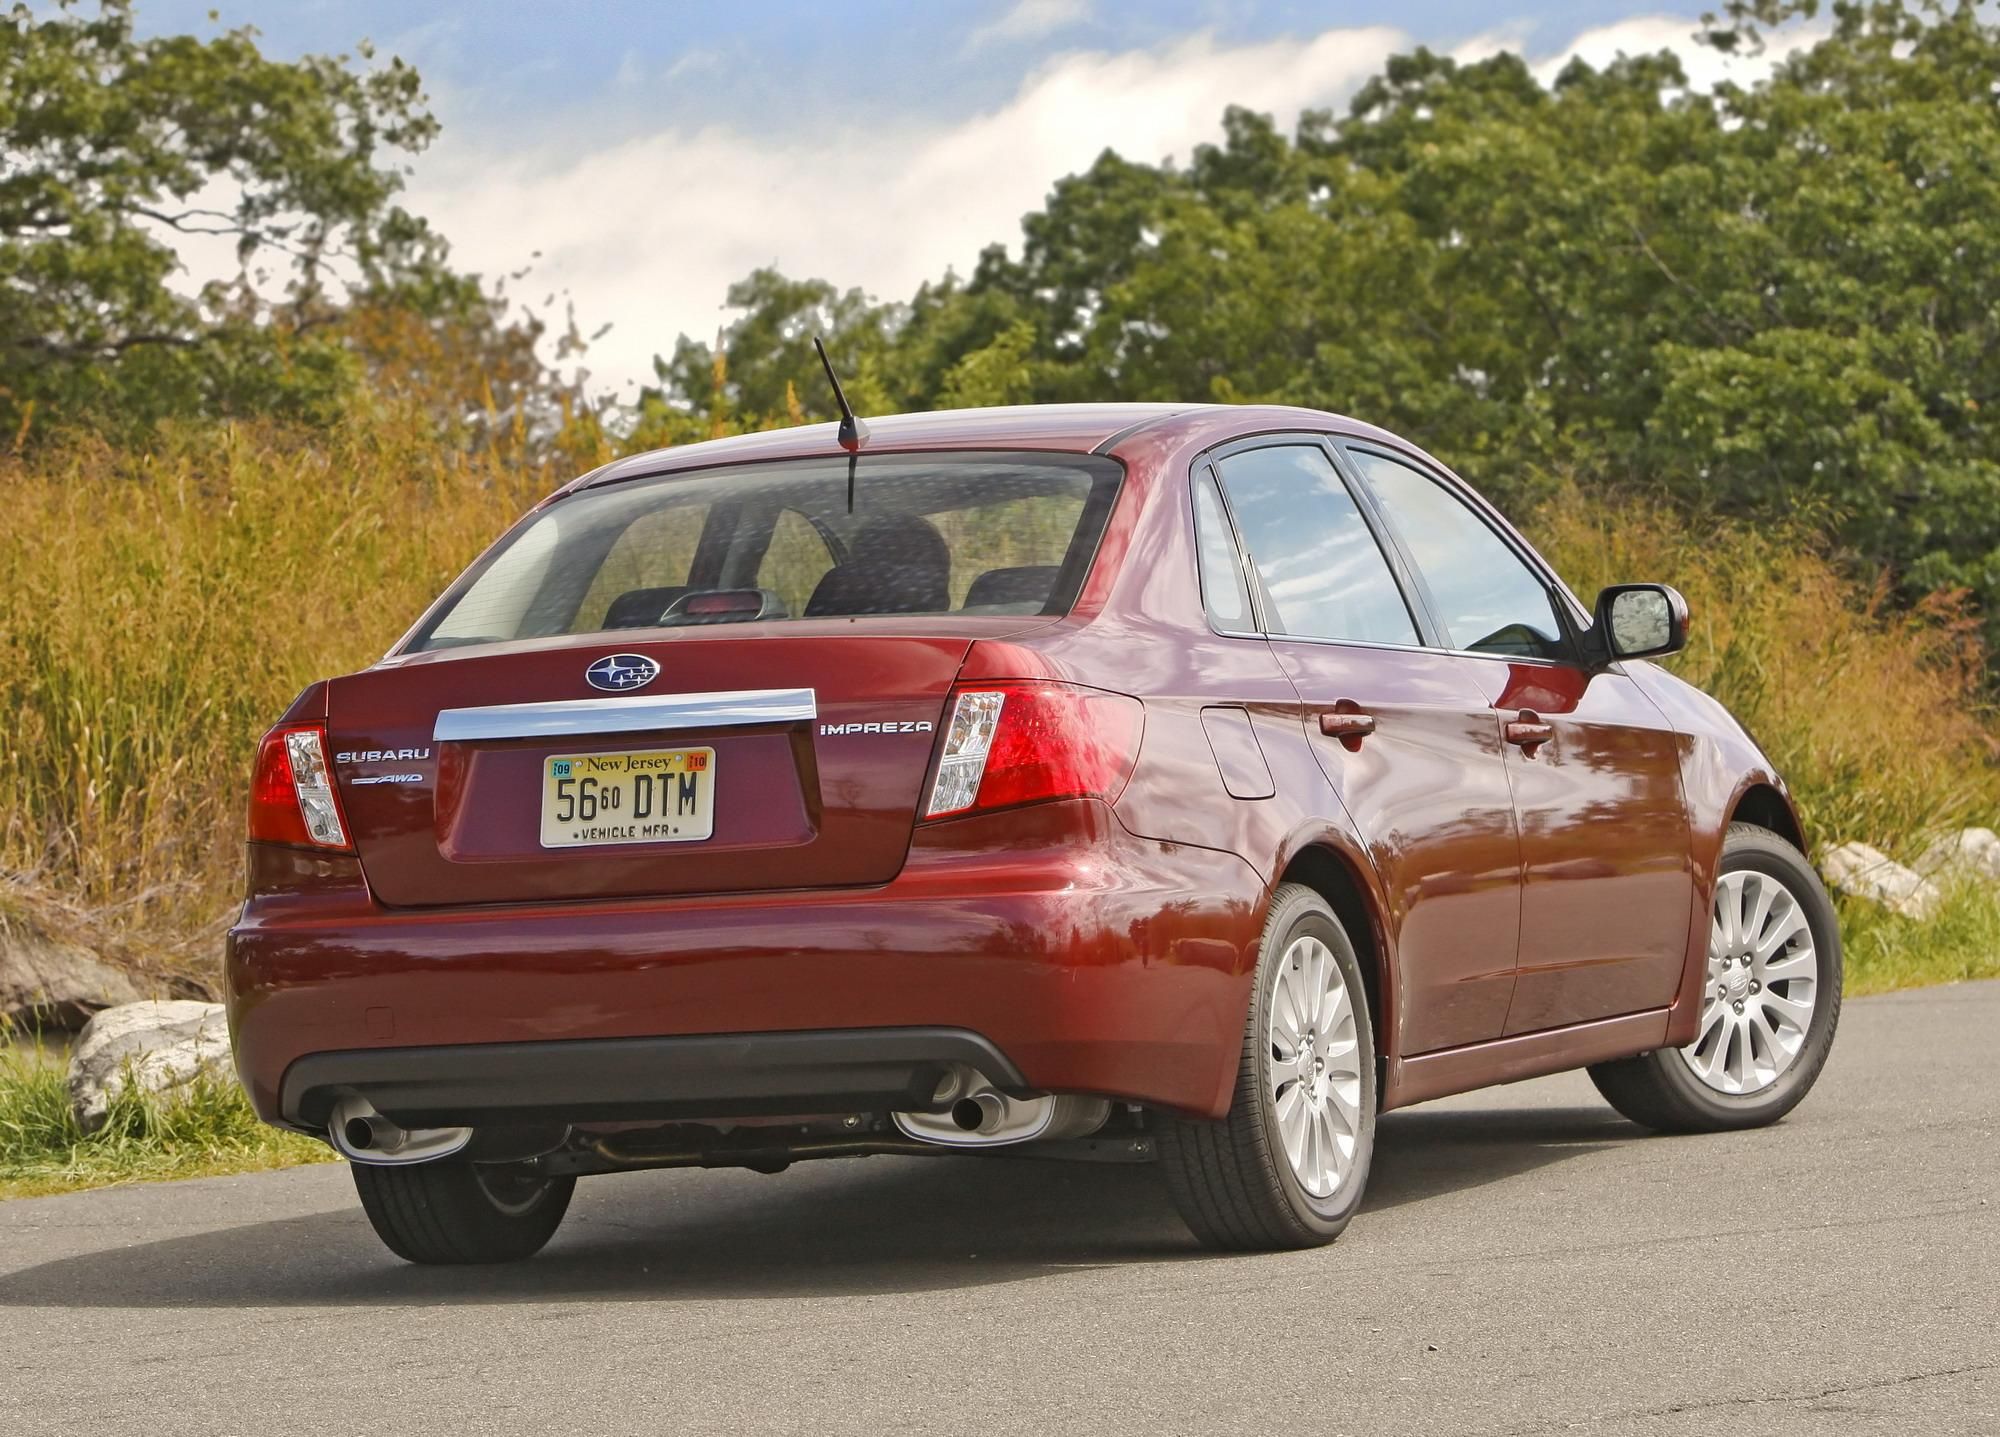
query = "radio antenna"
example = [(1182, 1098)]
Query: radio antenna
[(853, 430)]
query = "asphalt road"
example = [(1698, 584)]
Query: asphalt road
[(1528, 1262)]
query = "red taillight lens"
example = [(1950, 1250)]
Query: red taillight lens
[(1014, 743), (291, 793)]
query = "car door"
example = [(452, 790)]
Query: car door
[(1608, 888), (1403, 731)]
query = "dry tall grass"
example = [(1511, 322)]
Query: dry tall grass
[(1878, 720), (159, 609)]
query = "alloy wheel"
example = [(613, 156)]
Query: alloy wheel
[(1315, 1068), (1763, 983)]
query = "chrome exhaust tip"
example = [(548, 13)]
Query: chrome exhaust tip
[(975, 1114), (361, 1135)]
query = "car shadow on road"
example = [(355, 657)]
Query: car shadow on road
[(878, 1226)]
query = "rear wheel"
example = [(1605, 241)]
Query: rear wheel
[(1287, 1166), (1770, 1001), (455, 1211)]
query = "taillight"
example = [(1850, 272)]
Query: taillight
[(1013, 743), (291, 794)]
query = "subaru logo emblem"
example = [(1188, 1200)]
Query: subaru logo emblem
[(618, 672)]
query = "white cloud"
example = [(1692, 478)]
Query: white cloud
[(649, 232), (1029, 20), (1706, 68)]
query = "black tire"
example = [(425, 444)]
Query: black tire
[(1661, 1091), (1230, 1178), (455, 1211)]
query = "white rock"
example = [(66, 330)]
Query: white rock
[(160, 1046), (1968, 853), (1864, 872)]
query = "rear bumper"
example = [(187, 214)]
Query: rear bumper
[(611, 1079), (1083, 958)]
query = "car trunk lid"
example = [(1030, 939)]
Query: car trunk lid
[(817, 737)]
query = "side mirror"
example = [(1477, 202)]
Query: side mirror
[(1639, 621)]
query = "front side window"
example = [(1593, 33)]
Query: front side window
[(1321, 572), (1488, 599), (971, 533)]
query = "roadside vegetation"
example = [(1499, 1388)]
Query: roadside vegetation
[(1745, 343), (207, 1130)]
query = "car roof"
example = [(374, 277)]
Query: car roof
[(1070, 428)]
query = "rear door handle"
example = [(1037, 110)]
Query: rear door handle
[(1348, 724), (1529, 732)]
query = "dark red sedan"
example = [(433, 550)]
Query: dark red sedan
[(1176, 783)]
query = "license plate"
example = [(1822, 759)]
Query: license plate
[(660, 795)]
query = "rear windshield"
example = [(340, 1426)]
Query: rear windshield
[(920, 534)]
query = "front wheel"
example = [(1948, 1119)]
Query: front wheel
[(455, 1211), (1287, 1166), (1769, 1005)]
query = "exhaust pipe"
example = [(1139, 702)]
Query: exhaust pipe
[(362, 1135), (975, 1114)]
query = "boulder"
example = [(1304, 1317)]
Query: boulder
[(160, 1046), (50, 982), (1968, 853), (1864, 872)]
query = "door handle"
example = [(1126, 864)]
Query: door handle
[(1529, 732), (1348, 724)]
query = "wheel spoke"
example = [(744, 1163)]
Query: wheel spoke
[(1317, 959), (1713, 1065), (1799, 963), (1336, 1011), (1795, 1014), (1292, 1119), (1759, 903), (1346, 1095), (1780, 1043), (1711, 1016), (1287, 1019), (1729, 908), (1782, 932)]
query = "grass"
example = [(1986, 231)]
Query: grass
[(1960, 943), (205, 1130)]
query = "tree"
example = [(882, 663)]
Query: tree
[(117, 147), (1771, 296)]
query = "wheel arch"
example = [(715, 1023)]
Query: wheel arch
[(1765, 806)]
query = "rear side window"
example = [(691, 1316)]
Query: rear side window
[(978, 533), (1486, 596), (1223, 591), (1322, 574)]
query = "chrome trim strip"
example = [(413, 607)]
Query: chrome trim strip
[(645, 713)]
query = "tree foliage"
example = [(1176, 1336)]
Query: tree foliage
[(1769, 297), (117, 149)]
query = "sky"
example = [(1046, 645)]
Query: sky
[(638, 157)]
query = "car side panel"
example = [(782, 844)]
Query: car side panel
[(1719, 764), (1606, 885)]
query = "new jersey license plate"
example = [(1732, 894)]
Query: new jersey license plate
[(660, 795)]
